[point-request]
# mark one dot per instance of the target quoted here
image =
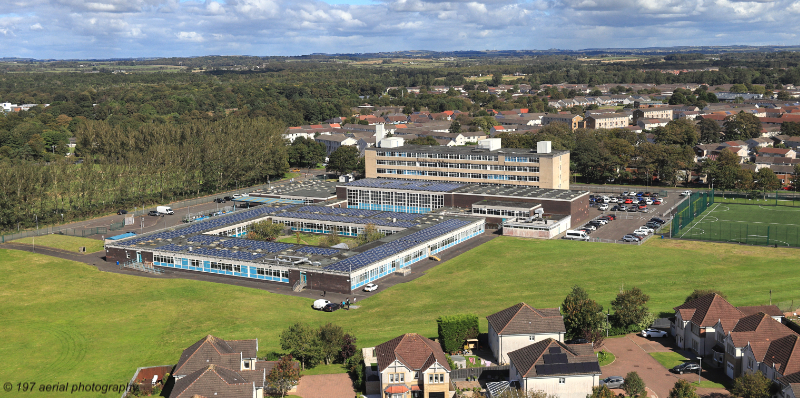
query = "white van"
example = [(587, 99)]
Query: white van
[(576, 235), (164, 210)]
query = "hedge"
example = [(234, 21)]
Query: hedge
[(454, 329)]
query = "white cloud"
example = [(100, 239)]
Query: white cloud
[(36, 26), (190, 36)]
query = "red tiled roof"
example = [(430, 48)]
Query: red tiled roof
[(709, 309), (524, 319), (411, 349), (396, 389)]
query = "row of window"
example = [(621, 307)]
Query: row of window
[(164, 260), (522, 159), (355, 197), (157, 258), (316, 227), (468, 166), (276, 273), (226, 267), (500, 212), (478, 176), (461, 156)]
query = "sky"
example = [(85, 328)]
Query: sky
[(102, 29)]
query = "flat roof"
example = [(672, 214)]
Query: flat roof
[(500, 191), (302, 189), (467, 150), (507, 204)]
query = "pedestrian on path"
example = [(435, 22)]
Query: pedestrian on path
[(323, 293)]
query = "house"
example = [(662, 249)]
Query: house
[(777, 152), (756, 330), (522, 325), (695, 322), (789, 386), (651, 113), (569, 119), (649, 124), (606, 121), (758, 143), (334, 141), (412, 366), (558, 369), (781, 358), (227, 368)]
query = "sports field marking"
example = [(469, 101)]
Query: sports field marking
[(726, 208), (699, 221), (774, 208)]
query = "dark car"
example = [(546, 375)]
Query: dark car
[(687, 367), (616, 208), (331, 307), (578, 340), (653, 224), (613, 381), (152, 213), (219, 200), (658, 220), (228, 198), (120, 211), (633, 208)]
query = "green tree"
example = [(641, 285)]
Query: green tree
[(796, 177), (709, 131), (302, 341), (343, 160), (331, 239), (425, 140), (784, 95), (742, 126), (331, 338), (630, 307), (497, 79), (305, 152), (455, 127), (766, 180), (264, 230), (790, 128), (349, 347), (284, 375), (601, 392), (723, 171), (355, 368), (683, 389), (581, 313), (634, 385), (677, 132), (370, 234), (752, 385)]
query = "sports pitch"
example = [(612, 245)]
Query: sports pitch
[(749, 224)]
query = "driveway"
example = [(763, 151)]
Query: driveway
[(325, 386), (632, 355)]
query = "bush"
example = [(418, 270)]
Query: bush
[(355, 368), (454, 329), (634, 385)]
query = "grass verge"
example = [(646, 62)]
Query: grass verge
[(64, 242), (605, 358)]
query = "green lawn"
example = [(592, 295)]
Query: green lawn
[(64, 242), (65, 321), (313, 239), (325, 369), (760, 225), (668, 360), (605, 358)]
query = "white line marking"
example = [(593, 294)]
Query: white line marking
[(699, 221)]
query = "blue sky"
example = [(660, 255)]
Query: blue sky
[(65, 29)]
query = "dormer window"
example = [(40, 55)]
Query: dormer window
[(247, 364)]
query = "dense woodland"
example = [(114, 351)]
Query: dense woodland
[(144, 138)]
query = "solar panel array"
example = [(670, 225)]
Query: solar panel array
[(405, 184), (317, 250), (376, 254), (270, 247), (337, 210), (204, 239), (234, 255), (568, 368), (173, 248), (210, 224), (399, 216)]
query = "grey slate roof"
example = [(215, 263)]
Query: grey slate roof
[(219, 382), (551, 357), (214, 350), (524, 319)]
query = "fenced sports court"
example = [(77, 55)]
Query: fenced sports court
[(764, 221)]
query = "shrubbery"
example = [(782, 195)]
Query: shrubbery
[(454, 329)]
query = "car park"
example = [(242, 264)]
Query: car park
[(603, 207), (613, 381), (152, 213), (120, 212), (650, 332), (687, 367), (370, 287), (320, 304)]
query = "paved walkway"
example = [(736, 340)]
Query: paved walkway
[(632, 355), (325, 386)]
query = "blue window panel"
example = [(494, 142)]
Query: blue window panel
[(184, 261), (207, 264)]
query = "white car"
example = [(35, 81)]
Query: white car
[(625, 193), (613, 200), (320, 304), (603, 207), (646, 229), (654, 333), (590, 227), (643, 232), (686, 193), (370, 287), (648, 201)]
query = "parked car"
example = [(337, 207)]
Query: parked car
[(236, 196), (625, 193), (320, 304), (602, 207), (622, 207), (657, 202), (617, 208), (633, 208), (686, 193), (219, 200), (120, 212), (640, 194), (647, 194), (652, 224), (370, 287), (645, 210), (611, 217), (687, 367), (589, 227), (330, 307), (612, 200), (152, 213), (628, 201), (643, 231), (642, 207), (650, 332), (613, 381), (586, 231), (228, 198), (648, 201), (658, 220), (646, 229), (630, 238), (577, 340)]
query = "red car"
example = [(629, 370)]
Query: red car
[(642, 207), (628, 201), (656, 202)]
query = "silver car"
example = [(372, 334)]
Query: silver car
[(613, 381)]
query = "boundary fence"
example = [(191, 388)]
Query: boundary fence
[(776, 198), (687, 210)]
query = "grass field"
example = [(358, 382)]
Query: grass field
[(65, 321), (750, 224), (64, 242)]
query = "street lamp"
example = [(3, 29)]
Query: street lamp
[(699, 371)]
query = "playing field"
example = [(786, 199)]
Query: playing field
[(749, 224)]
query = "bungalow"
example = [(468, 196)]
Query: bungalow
[(412, 366), (778, 152), (557, 369), (522, 325), (760, 142)]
